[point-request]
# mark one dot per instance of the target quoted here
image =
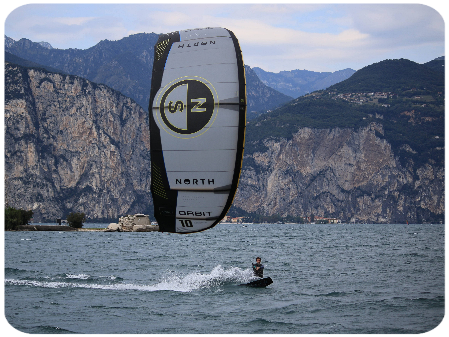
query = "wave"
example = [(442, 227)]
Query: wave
[(169, 282)]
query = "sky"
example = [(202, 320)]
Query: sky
[(274, 37)]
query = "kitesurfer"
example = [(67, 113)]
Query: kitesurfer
[(258, 267)]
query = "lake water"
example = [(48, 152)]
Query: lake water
[(327, 279)]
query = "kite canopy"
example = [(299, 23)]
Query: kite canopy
[(197, 127)]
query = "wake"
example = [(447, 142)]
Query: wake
[(170, 282)]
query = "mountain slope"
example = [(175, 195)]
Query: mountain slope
[(391, 76), (374, 156), (437, 64), (73, 145), (297, 83), (261, 98), (354, 155), (445, 57), (126, 65), (11, 58)]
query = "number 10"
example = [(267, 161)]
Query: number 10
[(186, 223)]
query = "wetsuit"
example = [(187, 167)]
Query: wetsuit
[(258, 272)]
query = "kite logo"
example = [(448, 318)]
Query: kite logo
[(187, 107), (175, 108)]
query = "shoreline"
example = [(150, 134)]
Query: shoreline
[(33, 228), (60, 228)]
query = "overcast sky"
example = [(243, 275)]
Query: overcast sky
[(274, 37)]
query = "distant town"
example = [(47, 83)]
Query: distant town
[(375, 98), (311, 220)]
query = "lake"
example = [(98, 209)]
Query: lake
[(326, 279)]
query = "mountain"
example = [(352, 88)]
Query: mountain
[(374, 156), (126, 65), (8, 42), (11, 58), (437, 64), (445, 57), (368, 149), (391, 76), (297, 83), (261, 98), (123, 65), (73, 146), (46, 45)]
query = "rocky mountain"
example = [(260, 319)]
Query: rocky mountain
[(73, 145), (357, 156), (46, 45), (8, 42), (365, 150), (123, 65), (261, 98), (126, 65), (297, 83)]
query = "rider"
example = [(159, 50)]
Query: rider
[(258, 267)]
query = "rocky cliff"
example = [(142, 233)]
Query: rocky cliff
[(369, 149), (349, 174), (73, 145)]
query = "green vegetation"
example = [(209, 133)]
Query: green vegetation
[(16, 217), (311, 111), (405, 97), (392, 76), (76, 220), (436, 64)]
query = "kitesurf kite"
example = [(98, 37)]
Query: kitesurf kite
[(197, 127)]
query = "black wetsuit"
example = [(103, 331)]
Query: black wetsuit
[(258, 272)]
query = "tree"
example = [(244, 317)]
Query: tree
[(76, 220), (16, 217)]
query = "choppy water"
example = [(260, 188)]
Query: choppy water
[(327, 279)]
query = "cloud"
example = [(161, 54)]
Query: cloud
[(272, 36), (78, 21), (399, 24), (278, 11), (65, 32)]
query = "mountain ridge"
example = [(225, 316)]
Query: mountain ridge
[(297, 82), (126, 65), (390, 75), (11, 58)]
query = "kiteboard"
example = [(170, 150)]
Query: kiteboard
[(261, 283), (197, 127)]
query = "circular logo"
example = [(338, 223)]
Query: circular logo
[(187, 107)]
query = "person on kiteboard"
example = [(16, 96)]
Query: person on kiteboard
[(258, 267)]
